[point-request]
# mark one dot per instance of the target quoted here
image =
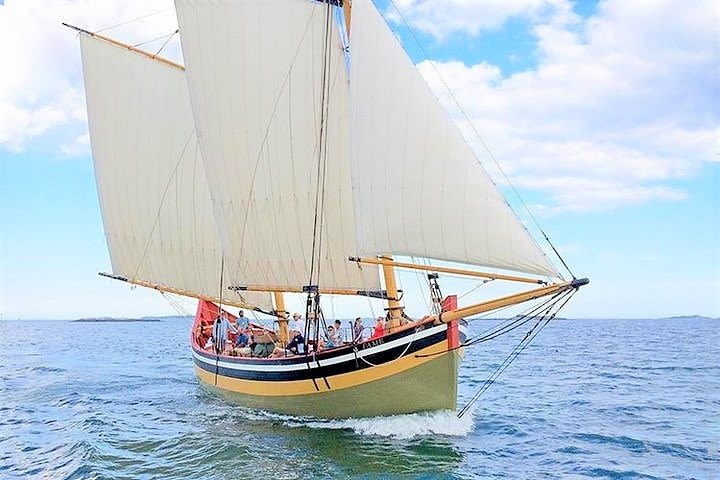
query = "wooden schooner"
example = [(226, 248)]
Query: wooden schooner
[(300, 151)]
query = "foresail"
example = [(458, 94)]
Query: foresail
[(255, 71), (418, 188), (150, 176)]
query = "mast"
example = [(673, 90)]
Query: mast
[(281, 316), (347, 9), (395, 310)]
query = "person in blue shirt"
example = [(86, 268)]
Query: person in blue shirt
[(242, 326), (242, 322)]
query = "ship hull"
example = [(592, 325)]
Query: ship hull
[(429, 386), (409, 371)]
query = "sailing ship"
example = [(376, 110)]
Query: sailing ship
[(299, 151)]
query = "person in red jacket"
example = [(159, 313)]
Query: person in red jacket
[(379, 329)]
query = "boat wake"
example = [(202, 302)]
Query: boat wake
[(408, 426)]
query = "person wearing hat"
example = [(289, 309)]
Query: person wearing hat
[(296, 325)]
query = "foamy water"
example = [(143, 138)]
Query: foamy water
[(417, 425)]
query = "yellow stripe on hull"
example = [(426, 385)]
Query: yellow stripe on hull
[(407, 385)]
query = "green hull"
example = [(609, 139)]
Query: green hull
[(429, 386)]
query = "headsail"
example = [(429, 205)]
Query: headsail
[(418, 188), (255, 71), (151, 182)]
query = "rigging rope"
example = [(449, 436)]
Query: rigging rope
[(418, 275), (157, 38), (483, 282), (132, 20), (480, 138), (167, 41), (526, 340), (501, 328), (313, 298), (322, 157)]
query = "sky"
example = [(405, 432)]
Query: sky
[(604, 115)]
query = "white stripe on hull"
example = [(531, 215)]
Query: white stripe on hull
[(264, 366)]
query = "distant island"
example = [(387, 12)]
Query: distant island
[(689, 317), (117, 320)]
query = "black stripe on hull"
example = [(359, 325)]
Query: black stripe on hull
[(351, 365), (325, 355)]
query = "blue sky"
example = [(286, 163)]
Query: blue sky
[(603, 114)]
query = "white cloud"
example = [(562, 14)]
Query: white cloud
[(41, 85), (440, 19), (619, 106), (81, 146)]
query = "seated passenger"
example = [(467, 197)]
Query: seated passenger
[(228, 347), (296, 325), (204, 331), (296, 346), (379, 329), (331, 337), (358, 330), (339, 334), (242, 339), (242, 322)]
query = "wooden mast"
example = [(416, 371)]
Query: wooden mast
[(281, 316), (347, 10), (395, 310)]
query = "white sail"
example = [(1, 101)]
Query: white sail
[(419, 190), (255, 71), (150, 176)]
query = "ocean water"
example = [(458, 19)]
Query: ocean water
[(590, 398)]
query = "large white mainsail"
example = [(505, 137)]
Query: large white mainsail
[(418, 188), (150, 176), (255, 71)]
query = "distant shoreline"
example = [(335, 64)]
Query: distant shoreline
[(115, 320)]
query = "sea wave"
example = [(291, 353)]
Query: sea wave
[(444, 422)]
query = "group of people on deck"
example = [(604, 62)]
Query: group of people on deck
[(240, 338)]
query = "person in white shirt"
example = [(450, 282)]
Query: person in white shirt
[(220, 332), (296, 325)]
